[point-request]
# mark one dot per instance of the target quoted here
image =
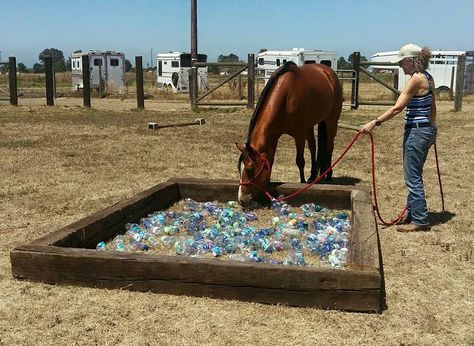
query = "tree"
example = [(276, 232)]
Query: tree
[(22, 68), (342, 64), (351, 58), (57, 56), (128, 65), (68, 64), (38, 68), (228, 58)]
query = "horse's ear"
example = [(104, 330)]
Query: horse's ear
[(239, 146)]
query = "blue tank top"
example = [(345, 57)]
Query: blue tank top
[(419, 108)]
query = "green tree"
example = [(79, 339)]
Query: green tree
[(22, 68), (57, 55), (351, 58), (128, 65), (342, 64), (228, 58), (38, 68)]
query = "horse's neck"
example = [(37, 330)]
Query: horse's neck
[(265, 145)]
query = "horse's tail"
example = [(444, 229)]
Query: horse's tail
[(287, 66), (325, 137)]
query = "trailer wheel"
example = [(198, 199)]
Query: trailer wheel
[(174, 79), (444, 93)]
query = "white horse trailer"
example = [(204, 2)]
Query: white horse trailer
[(108, 67), (173, 71), (442, 66), (270, 60)]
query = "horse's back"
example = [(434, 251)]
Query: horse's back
[(311, 92)]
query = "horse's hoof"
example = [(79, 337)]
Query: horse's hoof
[(311, 179)]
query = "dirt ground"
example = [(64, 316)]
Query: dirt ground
[(62, 163)]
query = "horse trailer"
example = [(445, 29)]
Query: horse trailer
[(442, 66), (173, 71), (270, 60), (107, 70)]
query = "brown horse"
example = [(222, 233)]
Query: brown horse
[(294, 100)]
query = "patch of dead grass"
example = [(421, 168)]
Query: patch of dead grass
[(62, 163)]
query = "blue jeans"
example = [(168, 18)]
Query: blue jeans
[(416, 143)]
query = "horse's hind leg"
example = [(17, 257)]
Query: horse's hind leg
[(312, 149), (300, 143)]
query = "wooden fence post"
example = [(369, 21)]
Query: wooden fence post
[(193, 85), (459, 83), (12, 81), (139, 82), (355, 81), (251, 81), (86, 81), (48, 64), (396, 78)]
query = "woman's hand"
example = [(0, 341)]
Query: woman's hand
[(369, 127)]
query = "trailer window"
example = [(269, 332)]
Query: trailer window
[(97, 62), (260, 61), (114, 62), (284, 61), (326, 62), (160, 68), (73, 64), (278, 62), (310, 62), (175, 64)]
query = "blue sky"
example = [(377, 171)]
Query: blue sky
[(231, 26)]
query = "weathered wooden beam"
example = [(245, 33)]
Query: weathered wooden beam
[(251, 81), (139, 82), (355, 81), (13, 81), (221, 64), (86, 81), (48, 64), (459, 93)]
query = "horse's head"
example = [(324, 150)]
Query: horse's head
[(254, 170)]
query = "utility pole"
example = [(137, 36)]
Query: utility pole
[(0, 55), (194, 49)]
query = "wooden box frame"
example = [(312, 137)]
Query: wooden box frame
[(68, 256)]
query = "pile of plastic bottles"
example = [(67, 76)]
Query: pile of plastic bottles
[(218, 229)]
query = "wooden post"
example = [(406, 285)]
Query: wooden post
[(86, 81), (48, 64), (139, 82), (251, 81), (355, 81), (395, 85), (13, 81), (459, 83), (451, 87), (239, 83)]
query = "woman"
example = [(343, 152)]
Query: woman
[(420, 131)]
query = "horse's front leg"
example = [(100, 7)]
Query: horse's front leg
[(300, 143), (312, 149)]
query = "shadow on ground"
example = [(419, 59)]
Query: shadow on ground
[(438, 218)]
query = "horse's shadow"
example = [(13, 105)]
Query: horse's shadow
[(440, 217)]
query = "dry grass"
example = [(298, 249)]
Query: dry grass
[(63, 163)]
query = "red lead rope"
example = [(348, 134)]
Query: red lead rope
[(346, 149)]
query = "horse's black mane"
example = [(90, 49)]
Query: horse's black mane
[(266, 90)]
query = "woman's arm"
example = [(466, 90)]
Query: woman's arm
[(411, 88)]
